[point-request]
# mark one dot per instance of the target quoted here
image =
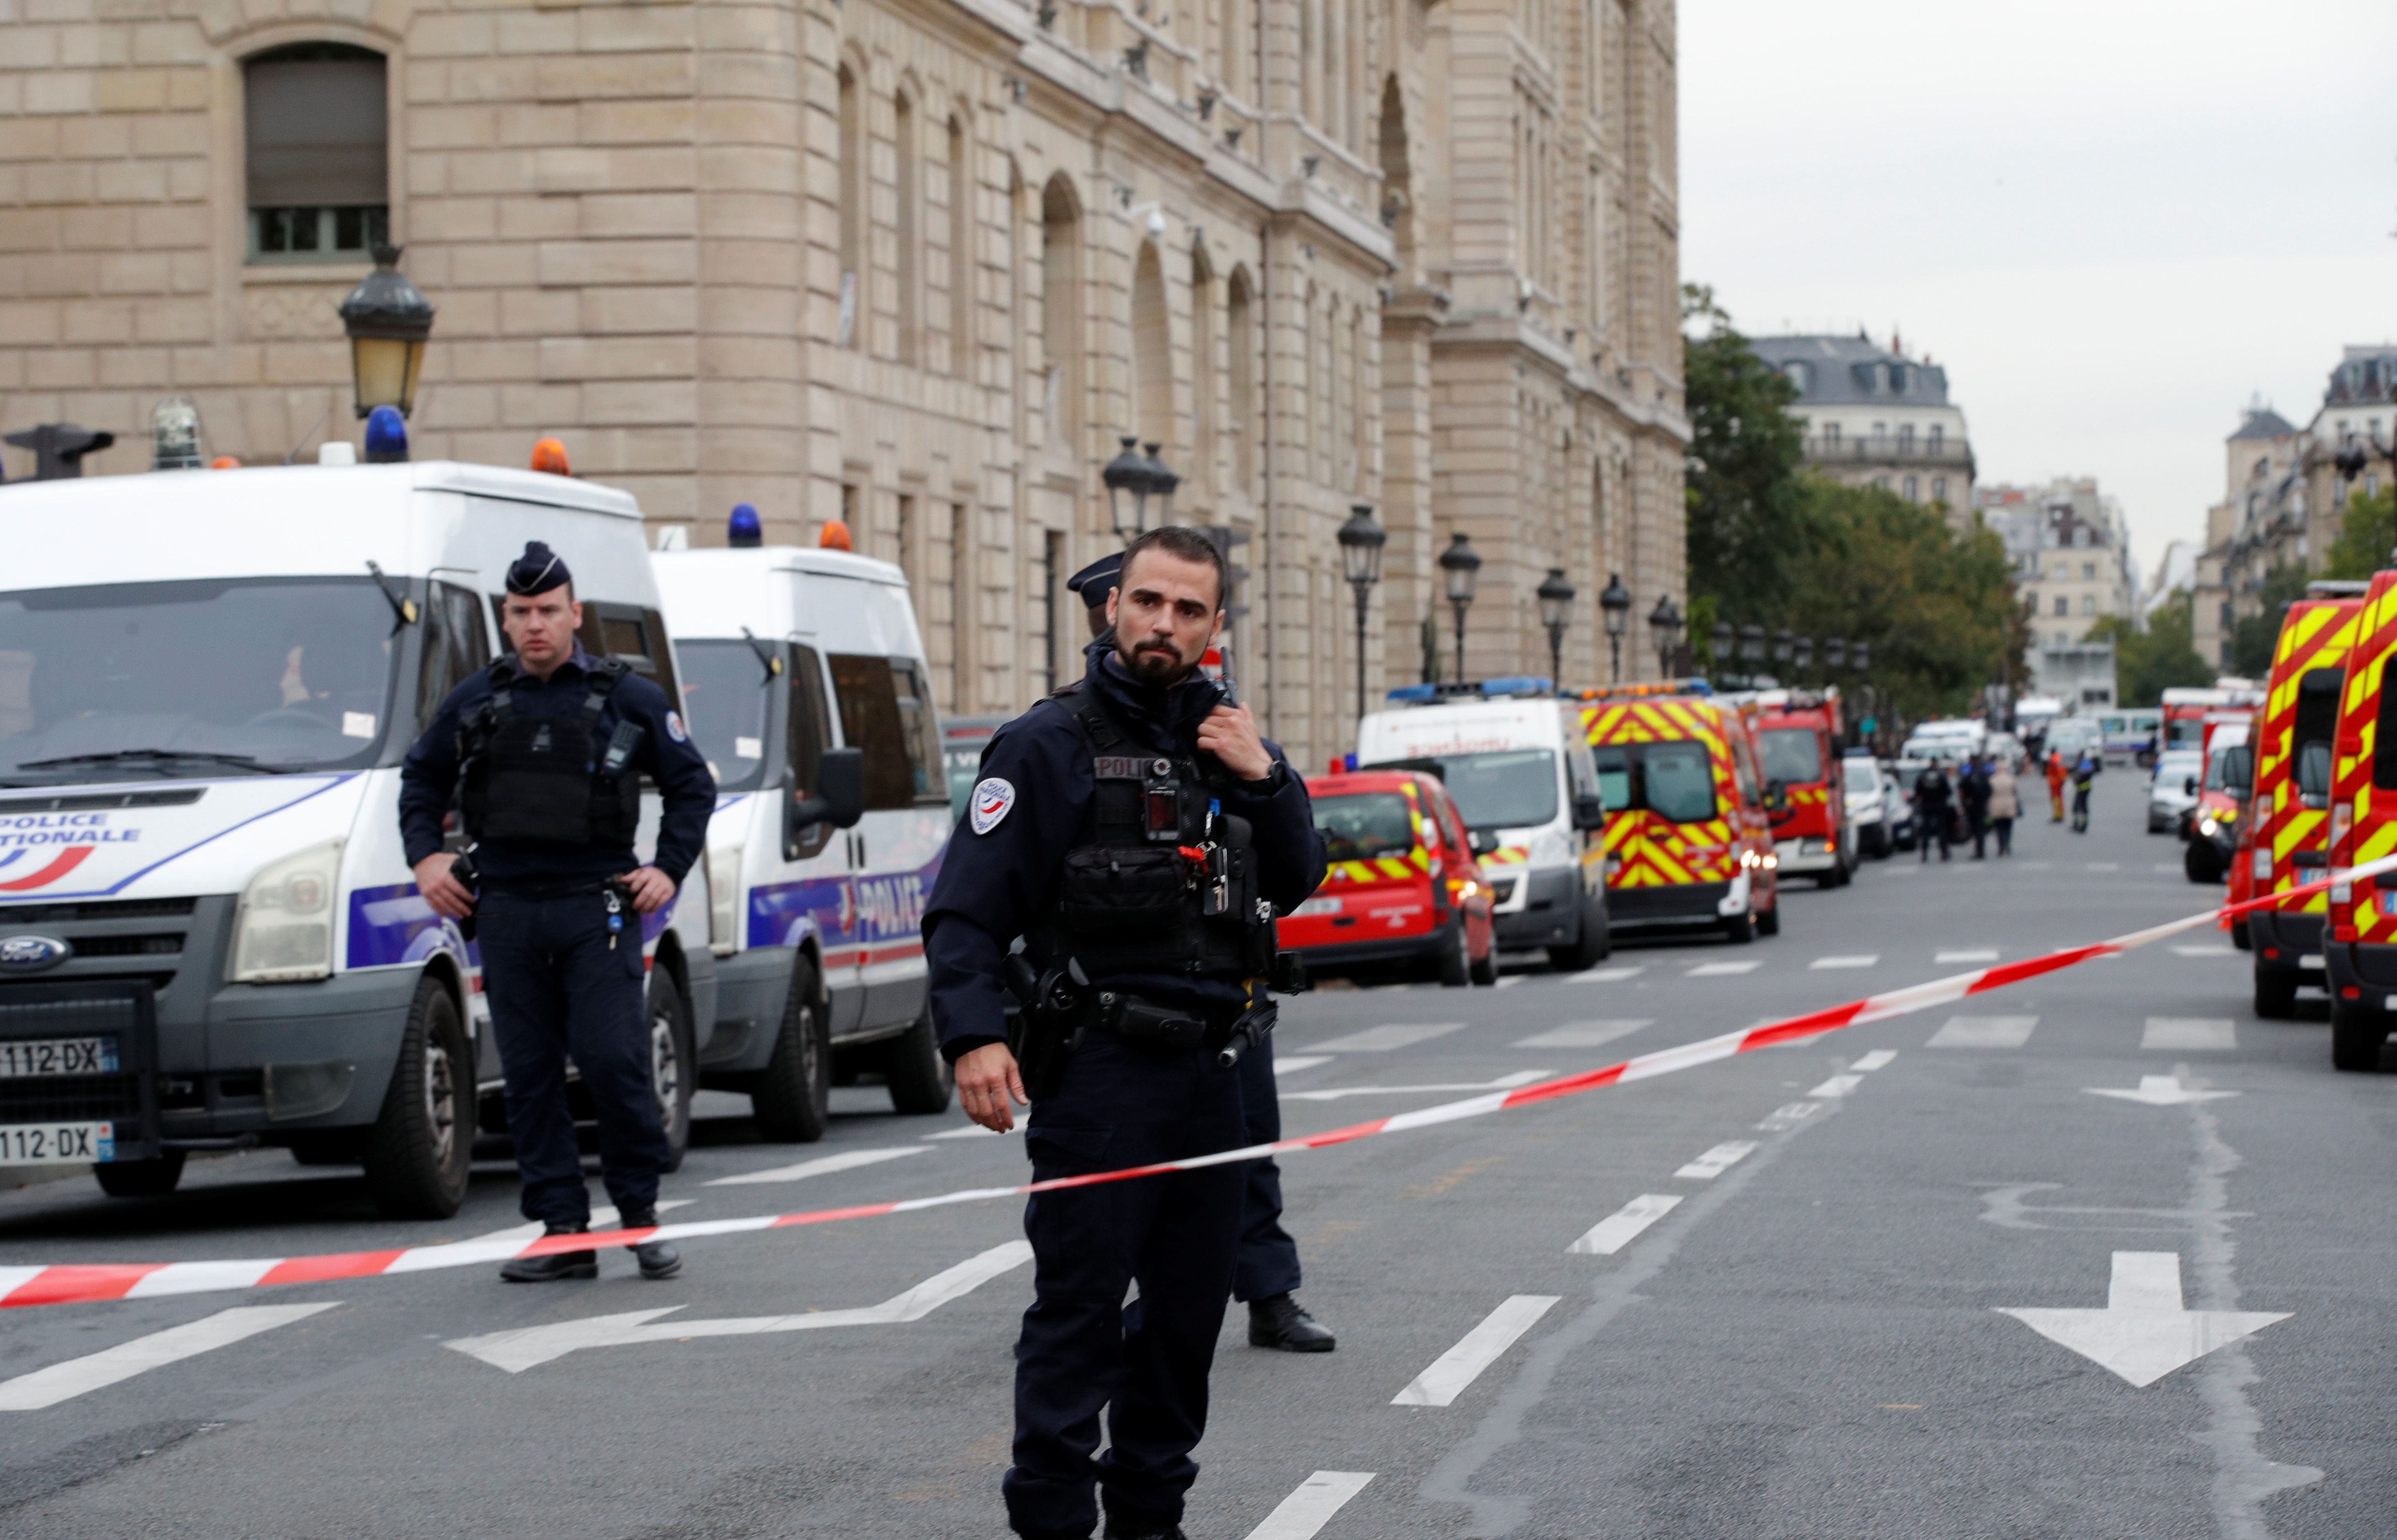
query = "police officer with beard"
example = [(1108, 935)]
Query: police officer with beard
[(543, 754), (1141, 836)]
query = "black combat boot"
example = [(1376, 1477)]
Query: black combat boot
[(1280, 1322), (657, 1258), (549, 1268)]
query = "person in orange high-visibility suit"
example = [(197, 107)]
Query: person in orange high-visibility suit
[(2056, 785)]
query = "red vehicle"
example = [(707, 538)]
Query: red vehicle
[(1799, 736), (1402, 884), (2213, 832)]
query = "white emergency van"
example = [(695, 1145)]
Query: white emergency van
[(805, 686), (208, 935), (1518, 766)]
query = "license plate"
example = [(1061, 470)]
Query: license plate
[(1317, 906), (56, 1144), (2311, 959), (31, 1056)]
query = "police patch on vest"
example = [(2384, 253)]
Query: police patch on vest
[(992, 800), (675, 728), (1127, 767)]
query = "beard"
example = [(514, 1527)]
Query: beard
[(1154, 662)]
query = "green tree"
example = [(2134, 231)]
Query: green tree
[(2254, 637), (1746, 520), (2365, 536), (2160, 657)]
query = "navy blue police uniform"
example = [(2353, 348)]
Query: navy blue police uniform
[(546, 775), (1266, 1275), (1055, 848)]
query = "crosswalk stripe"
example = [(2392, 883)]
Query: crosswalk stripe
[(1381, 1039), (1721, 969), (63, 1381), (1583, 1033), (1862, 960), (2188, 1033), (1984, 1032)]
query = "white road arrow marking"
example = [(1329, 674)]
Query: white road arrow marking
[(2143, 1334), (2161, 1091), (518, 1351)]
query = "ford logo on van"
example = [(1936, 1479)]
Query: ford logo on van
[(32, 953)]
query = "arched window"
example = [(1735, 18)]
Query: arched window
[(1203, 444), (1061, 235), (909, 180), (852, 207), (1241, 408), (318, 159), (1152, 352), (963, 268)]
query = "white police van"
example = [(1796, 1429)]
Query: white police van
[(805, 686), (208, 935), (1518, 766)]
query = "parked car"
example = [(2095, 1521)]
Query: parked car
[(1867, 799), (2172, 792), (1403, 882)]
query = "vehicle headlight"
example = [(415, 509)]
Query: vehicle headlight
[(283, 930), (2206, 827), (724, 900)]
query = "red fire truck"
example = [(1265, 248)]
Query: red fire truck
[(1800, 734)]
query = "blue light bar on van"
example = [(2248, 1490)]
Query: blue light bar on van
[(1519, 684), (386, 436)]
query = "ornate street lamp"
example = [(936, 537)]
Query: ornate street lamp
[(1781, 646), (1555, 613), (1751, 645), (1162, 479), (1459, 565), (1615, 608), (1665, 629), (1362, 540), (1725, 641), (388, 321), (1860, 655), (1835, 653), (1128, 482), (1801, 656)]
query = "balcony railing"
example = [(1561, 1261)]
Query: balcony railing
[(1889, 451)]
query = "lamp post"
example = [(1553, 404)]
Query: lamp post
[(1459, 565), (1556, 597), (1781, 649), (1615, 608), (1835, 655), (1665, 630), (388, 320), (1725, 641), (1360, 556), (1801, 656), (1751, 648), (1127, 479), (1162, 479)]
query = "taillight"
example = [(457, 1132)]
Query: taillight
[(2342, 819), (2263, 864)]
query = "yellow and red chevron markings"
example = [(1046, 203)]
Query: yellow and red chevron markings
[(1391, 869), (2318, 634), (1649, 851), (2359, 712)]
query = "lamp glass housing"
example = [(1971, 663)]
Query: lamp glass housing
[(1459, 565), (1362, 540), (1126, 478), (1614, 605), (1556, 597), (383, 372)]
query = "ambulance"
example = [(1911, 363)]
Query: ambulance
[(2360, 953), (1515, 763), (808, 691), (210, 938), (1689, 833), (1798, 733), (2284, 839)]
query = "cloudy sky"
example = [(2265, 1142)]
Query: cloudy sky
[(2113, 222)]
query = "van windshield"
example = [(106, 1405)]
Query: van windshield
[(724, 691), (1674, 778), (1364, 825), (1513, 789), (1792, 756), (145, 680)]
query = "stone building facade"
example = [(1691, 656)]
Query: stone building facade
[(918, 264), (1873, 416)]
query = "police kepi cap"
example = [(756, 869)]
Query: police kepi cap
[(1094, 581), (538, 570)]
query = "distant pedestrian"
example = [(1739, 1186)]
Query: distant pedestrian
[(2055, 784), (2085, 771), (1973, 790), (2005, 806), (1932, 799)]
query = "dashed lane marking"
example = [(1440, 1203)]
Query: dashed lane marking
[(1788, 1116), (1716, 1162), (1623, 1227), (1381, 1039), (1297, 1062), (1837, 1086), (1583, 1033), (2166, 866), (1722, 969), (2213, 949), (1607, 975), (1503, 1083), (1461, 1365), (1984, 1032), (1967, 954), (2190, 1035), (63, 1381), (1865, 959), (1510, 981), (2105, 865), (822, 1165), (1307, 1510), (1879, 1058)]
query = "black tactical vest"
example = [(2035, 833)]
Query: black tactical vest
[(544, 781), (1160, 881)]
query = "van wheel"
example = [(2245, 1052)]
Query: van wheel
[(1768, 922), (2276, 992), (1485, 968), (1456, 958), (2356, 1033), (1589, 948), (2201, 861), (920, 1079), (672, 1063), (792, 1099), (1740, 927), (141, 1178), (422, 1147), (2240, 937)]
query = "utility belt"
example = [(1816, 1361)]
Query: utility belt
[(1058, 1008), (1136, 1019)]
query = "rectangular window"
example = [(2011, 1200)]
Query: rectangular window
[(919, 732), (885, 711), (2384, 747), (455, 646), (1938, 483), (316, 154), (1913, 490), (806, 736), (2063, 604), (1936, 437)]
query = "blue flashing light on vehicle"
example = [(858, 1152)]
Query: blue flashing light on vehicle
[(386, 436), (743, 529)]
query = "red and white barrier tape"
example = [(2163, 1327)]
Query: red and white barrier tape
[(68, 1284)]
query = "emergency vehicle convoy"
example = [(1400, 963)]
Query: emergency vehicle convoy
[(2284, 839), (2361, 952), (1513, 759), (1798, 732), (1689, 836), (1402, 883), (204, 914), (2222, 791), (806, 678)]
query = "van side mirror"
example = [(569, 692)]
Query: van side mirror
[(839, 797), (1776, 796), (2189, 784), (1480, 841), (1588, 813)]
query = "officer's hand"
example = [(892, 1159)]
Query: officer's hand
[(1230, 734), (442, 891), (652, 890), (986, 1078)]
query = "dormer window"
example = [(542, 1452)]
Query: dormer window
[(1797, 374)]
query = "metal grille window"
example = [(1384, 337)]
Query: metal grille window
[(317, 153)]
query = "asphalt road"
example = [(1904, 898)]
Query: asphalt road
[(1810, 1341)]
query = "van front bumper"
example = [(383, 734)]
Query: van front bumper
[(1669, 903), (1548, 911), (1811, 853)]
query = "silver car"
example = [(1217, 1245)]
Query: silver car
[(2169, 797)]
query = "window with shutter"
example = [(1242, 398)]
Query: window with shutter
[(318, 154)]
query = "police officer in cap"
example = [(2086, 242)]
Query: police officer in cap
[(1142, 837), (1267, 1276), (543, 754)]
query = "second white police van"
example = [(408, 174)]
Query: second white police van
[(805, 686)]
